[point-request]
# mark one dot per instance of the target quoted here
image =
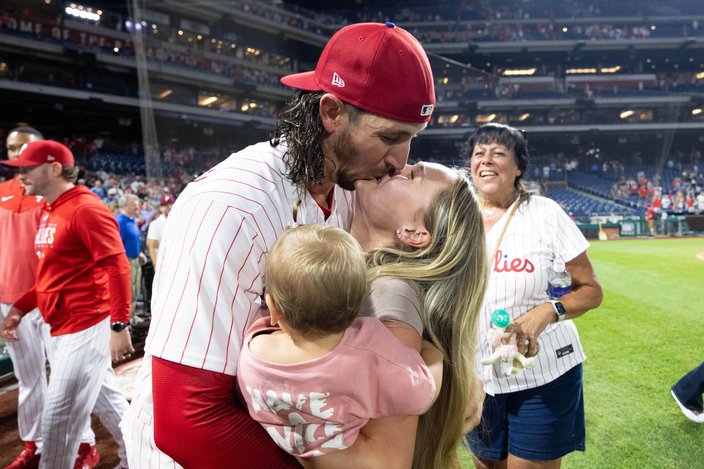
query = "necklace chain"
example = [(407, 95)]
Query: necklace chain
[(488, 214)]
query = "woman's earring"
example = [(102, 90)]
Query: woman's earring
[(398, 233)]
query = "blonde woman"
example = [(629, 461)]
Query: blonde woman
[(423, 233)]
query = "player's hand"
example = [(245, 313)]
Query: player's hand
[(8, 330), (120, 345)]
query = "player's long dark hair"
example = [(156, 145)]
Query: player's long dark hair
[(300, 126)]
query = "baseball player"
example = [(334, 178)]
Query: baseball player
[(371, 93), (19, 220), (82, 289)]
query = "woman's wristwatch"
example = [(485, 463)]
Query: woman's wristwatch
[(559, 310)]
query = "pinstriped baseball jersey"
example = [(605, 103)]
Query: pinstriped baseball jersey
[(213, 255), (539, 232)]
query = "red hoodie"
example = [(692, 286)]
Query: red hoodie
[(82, 271)]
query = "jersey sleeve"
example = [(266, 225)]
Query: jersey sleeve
[(568, 241), (393, 299), (209, 285)]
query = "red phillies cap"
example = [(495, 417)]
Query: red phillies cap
[(167, 199), (379, 68), (40, 152)]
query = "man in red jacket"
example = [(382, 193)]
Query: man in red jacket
[(82, 289), (19, 219)]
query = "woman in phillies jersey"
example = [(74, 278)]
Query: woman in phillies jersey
[(536, 416)]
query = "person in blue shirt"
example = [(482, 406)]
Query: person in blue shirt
[(131, 240)]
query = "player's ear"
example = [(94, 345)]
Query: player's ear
[(332, 111)]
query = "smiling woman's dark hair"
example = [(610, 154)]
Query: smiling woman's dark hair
[(508, 136)]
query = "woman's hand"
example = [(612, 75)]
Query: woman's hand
[(586, 294), (528, 327)]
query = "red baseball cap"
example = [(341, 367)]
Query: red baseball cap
[(379, 68), (167, 199), (40, 152)]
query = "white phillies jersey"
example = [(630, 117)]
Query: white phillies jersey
[(212, 257), (539, 232)]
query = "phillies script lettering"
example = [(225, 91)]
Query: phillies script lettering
[(44, 237), (295, 434), (502, 264)]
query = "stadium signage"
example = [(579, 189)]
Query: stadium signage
[(48, 31)]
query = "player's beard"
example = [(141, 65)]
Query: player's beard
[(344, 153), (345, 172)]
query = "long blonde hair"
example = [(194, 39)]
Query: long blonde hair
[(450, 277)]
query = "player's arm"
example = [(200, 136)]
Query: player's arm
[(152, 241), (8, 329), (118, 270), (386, 442), (98, 230), (203, 411), (153, 246)]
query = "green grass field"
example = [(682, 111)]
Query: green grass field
[(648, 332)]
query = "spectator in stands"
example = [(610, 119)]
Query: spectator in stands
[(129, 233), (98, 189), (534, 418), (146, 211), (650, 218)]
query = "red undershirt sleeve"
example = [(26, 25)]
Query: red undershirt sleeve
[(200, 421)]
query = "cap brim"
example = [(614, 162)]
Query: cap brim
[(301, 81), (19, 163)]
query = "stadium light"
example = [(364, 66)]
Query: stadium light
[(523, 117), (207, 101), (580, 71), (610, 69), (697, 111), (626, 114), (519, 72), (79, 11)]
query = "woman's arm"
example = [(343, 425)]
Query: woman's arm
[(586, 294), (383, 443)]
